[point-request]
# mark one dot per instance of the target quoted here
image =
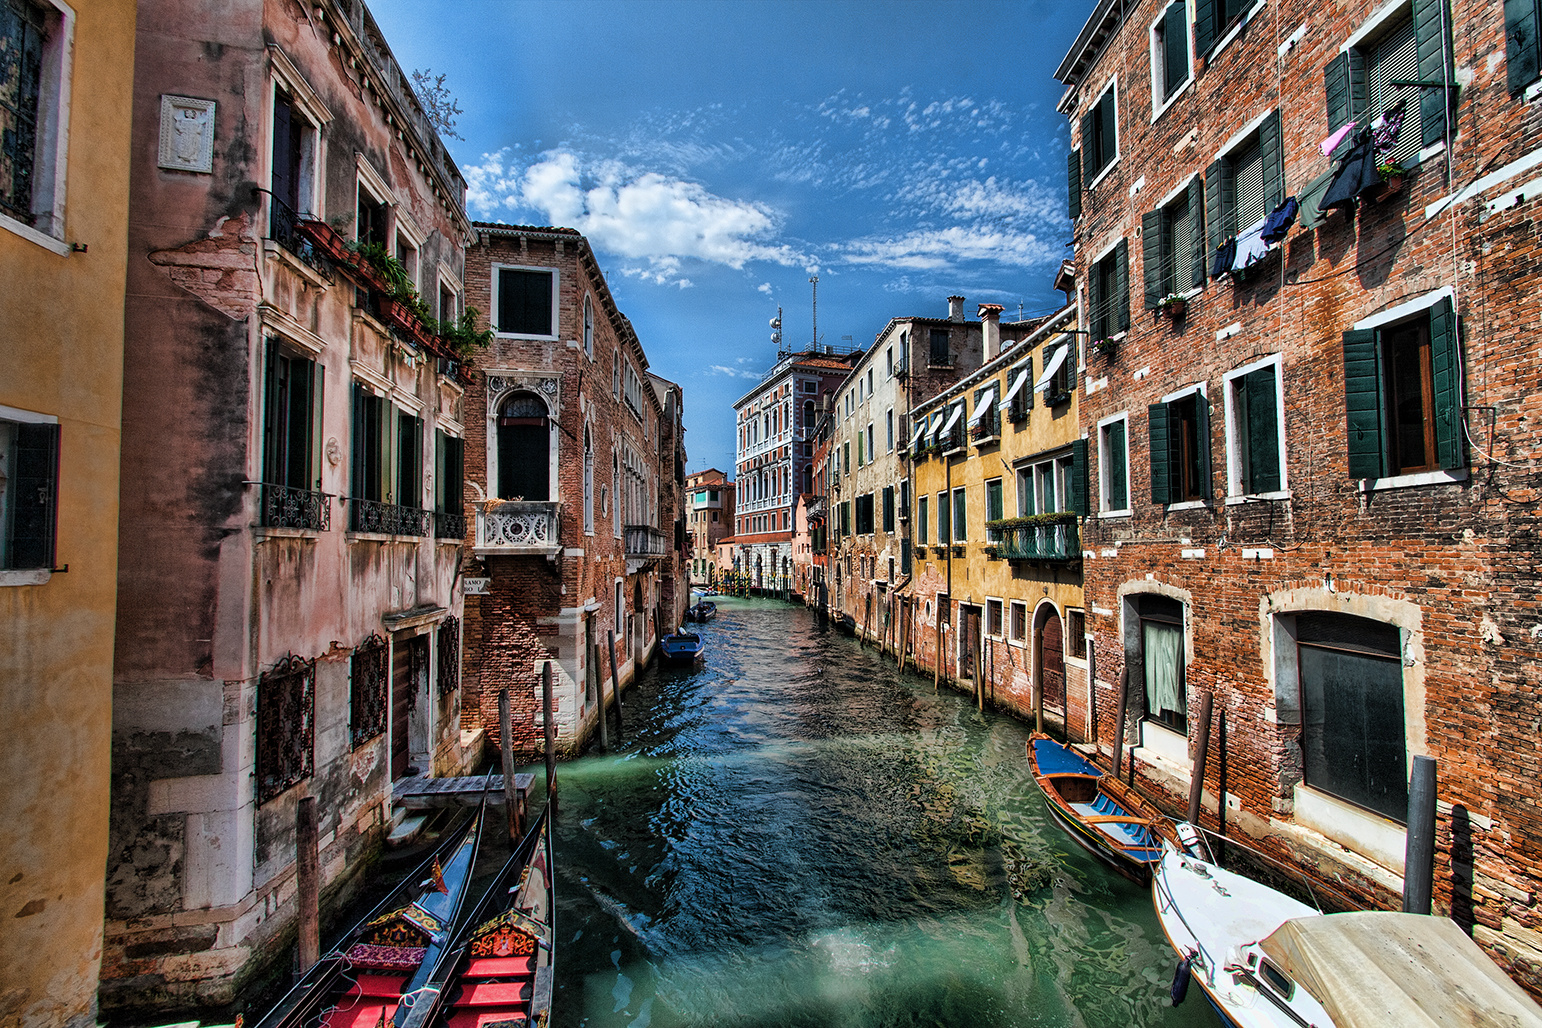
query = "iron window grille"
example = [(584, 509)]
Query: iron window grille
[(449, 655), (23, 28), (368, 692), (286, 726)]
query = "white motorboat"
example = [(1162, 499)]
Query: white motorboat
[(1265, 960)]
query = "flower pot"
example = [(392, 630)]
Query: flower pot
[(1176, 309), (325, 238), (1390, 187)]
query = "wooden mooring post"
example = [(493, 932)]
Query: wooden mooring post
[(549, 727), (308, 882), (615, 677), (1197, 782), (1419, 850), (1124, 706), (511, 797), (592, 660)]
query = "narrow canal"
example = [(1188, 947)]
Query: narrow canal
[(796, 834)]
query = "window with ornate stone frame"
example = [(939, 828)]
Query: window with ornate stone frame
[(286, 726), (368, 691)]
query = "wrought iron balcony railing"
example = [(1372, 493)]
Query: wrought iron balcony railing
[(517, 528), (1049, 541), (286, 507), (449, 526), (284, 229), (644, 542), (388, 518)]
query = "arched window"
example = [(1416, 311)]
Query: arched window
[(808, 478), (588, 327), (588, 483), (524, 448), (808, 415)]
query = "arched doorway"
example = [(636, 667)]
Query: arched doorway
[(1051, 660), (524, 448)]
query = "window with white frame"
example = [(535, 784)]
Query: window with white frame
[(525, 301), (34, 117), (1100, 134), (292, 181), (29, 489), (1114, 464), (588, 326), (1407, 42), (1049, 485), (1018, 623), (1255, 437), (1170, 66), (372, 210), (994, 620), (408, 246), (1179, 429), (1173, 244)]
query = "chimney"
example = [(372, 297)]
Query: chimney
[(990, 328), (955, 308)]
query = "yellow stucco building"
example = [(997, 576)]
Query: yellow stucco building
[(1000, 471), (66, 86)]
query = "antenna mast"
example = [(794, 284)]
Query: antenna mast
[(814, 281)]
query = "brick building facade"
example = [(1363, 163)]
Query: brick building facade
[(1313, 474), (575, 464)]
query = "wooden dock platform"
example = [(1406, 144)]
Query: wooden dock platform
[(423, 793)]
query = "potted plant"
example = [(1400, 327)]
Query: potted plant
[(1391, 178), (1103, 348), (1173, 305), (461, 335)]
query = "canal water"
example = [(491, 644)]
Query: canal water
[(794, 833)]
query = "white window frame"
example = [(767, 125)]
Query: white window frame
[(1159, 64), (50, 170), (1013, 639), (367, 179), (447, 277), (1104, 510), (1234, 493), (31, 576), (588, 325), (1113, 83), (284, 75), (986, 613), (556, 296), (402, 225), (1202, 389)]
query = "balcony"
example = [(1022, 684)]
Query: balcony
[(644, 542), (388, 518), (284, 229), (449, 526), (518, 528), (287, 507), (1044, 539)]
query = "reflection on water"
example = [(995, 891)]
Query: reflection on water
[(795, 834)]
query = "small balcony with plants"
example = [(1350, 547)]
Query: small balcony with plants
[(1037, 538)]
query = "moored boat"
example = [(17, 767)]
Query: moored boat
[(701, 612), (682, 647), (1265, 960), (1102, 816)]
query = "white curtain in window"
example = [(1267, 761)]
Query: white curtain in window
[(1164, 648)]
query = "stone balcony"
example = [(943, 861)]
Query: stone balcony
[(644, 542), (517, 528)]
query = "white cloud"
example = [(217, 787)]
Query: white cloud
[(718, 369), (764, 287), (934, 249)]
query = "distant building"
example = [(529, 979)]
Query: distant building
[(709, 518), (576, 466), (288, 610), (64, 192), (774, 458)]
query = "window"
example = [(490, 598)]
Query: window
[(942, 519), (449, 302), (1412, 45), (960, 515), (409, 460), (1180, 449), (888, 418), (1255, 444), (1076, 634), (286, 726), (407, 254), (1212, 18), (1113, 465), (888, 508), (984, 424), (367, 682), (293, 165), (872, 451), (291, 442), (371, 471), (941, 355), (921, 520), (1100, 136), (1173, 245), (589, 483), (449, 486), (1161, 659), (1059, 375), (34, 120), (29, 490), (1353, 738), (1108, 293), (888, 361), (1402, 387), (993, 509), (846, 518), (846, 456), (615, 376), (1169, 54), (993, 619), (588, 326), (869, 382), (1018, 400), (1523, 55), (1019, 622), (370, 224), (525, 301), (861, 450), (1245, 184), (1025, 502), (865, 514), (524, 442), (1054, 484)]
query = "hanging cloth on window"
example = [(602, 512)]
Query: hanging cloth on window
[(1279, 220), (1385, 129), (1311, 199), (1332, 142), (1163, 645), (1251, 248), (1357, 174), (1221, 263)]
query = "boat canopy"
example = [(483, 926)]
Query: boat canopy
[(1377, 968)]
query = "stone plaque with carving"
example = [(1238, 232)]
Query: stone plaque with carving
[(187, 134)]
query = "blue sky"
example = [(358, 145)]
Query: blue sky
[(718, 154)]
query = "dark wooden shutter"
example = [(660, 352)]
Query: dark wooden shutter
[(1158, 440), (271, 471), (1215, 205), (356, 444), (1272, 151), (1078, 498), (1118, 488), (1073, 181), (1202, 444), (1336, 87), (318, 393), (1523, 57), (1090, 147), (1175, 47), (1432, 20), (1362, 403), (1446, 368), (1263, 432), (34, 487), (1097, 317), (1152, 257), (1196, 241), (1204, 26), (1122, 284), (1108, 129)]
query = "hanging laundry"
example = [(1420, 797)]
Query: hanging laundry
[(1332, 142), (1311, 197), (1385, 129), (1357, 175), (1251, 248), (1278, 223), (1221, 263)]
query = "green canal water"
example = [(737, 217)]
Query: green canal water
[(794, 833)]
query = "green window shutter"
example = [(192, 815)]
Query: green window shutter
[(1097, 317), (1215, 206), (356, 444), (318, 384), (1446, 367), (1073, 181), (1153, 256), (1090, 147), (1362, 403), (1432, 21), (1335, 79), (271, 472), (441, 461), (1523, 56), (1263, 432), (1175, 46), (1122, 284), (1109, 129), (1198, 264), (1158, 440), (1078, 497), (1272, 151), (1202, 444), (35, 491), (1118, 488), (1204, 26)]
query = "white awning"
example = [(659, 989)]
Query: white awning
[(1050, 367), (915, 440), (983, 404), (1017, 386), (952, 422)]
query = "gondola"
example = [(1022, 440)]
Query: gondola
[(500, 969), (393, 951), (701, 612), (682, 647), (1101, 815)]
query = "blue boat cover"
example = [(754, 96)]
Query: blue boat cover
[(1055, 759)]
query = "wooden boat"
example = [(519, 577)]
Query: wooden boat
[(500, 971), (393, 951), (682, 647), (1105, 818), (701, 612), (1265, 960)]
